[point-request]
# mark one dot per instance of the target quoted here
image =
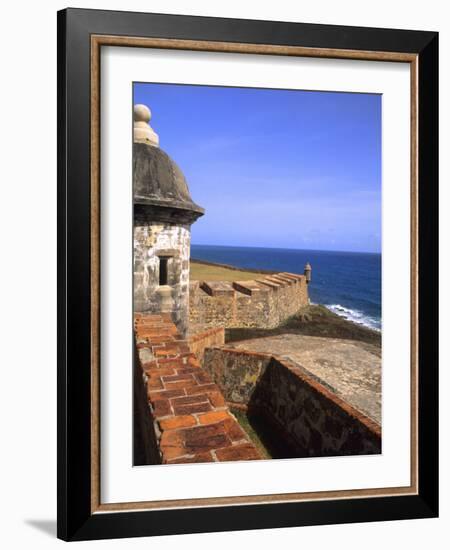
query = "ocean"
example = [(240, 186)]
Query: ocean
[(348, 283)]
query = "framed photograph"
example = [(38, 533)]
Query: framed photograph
[(247, 253)]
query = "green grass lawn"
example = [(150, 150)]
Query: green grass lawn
[(204, 272), (241, 417), (312, 320)]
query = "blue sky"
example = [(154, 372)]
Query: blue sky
[(275, 168)]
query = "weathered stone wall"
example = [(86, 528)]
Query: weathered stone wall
[(314, 419), (236, 372), (265, 302), (303, 412), (203, 339), (151, 241)]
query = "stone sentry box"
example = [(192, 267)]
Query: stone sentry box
[(163, 215)]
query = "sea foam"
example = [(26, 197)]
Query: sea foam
[(355, 316)]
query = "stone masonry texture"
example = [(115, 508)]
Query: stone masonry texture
[(264, 302), (151, 242), (350, 369), (200, 340), (192, 422), (300, 408)]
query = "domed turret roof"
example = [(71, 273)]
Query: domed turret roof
[(159, 185)]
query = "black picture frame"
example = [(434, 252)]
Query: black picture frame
[(76, 520)]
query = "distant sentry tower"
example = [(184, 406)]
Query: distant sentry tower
[(163, 215), (307, 273)]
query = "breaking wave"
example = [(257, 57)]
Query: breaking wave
[(355, 316)]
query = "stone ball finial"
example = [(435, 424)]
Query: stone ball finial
[(142, 113), (142, 131)]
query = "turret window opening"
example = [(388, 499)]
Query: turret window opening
[(163, 270)]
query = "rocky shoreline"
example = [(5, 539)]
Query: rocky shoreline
[(313, 320)]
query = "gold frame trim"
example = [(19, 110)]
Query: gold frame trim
[(97, 41)]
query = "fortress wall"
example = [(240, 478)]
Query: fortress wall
[(236, 372), (311, 419), (210, 311), (262, 303), (255, 310), (205, 339), (314, 420), (181, 415)]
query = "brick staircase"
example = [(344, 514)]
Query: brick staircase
[(191, 418)]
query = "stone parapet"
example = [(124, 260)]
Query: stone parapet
[(302, 410), (191, 420), (265, 302), (203, 338)]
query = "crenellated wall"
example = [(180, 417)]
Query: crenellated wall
[(264, 302)]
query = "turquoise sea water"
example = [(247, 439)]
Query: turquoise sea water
[(348, 283)]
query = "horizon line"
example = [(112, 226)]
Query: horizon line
[(281, 248)]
